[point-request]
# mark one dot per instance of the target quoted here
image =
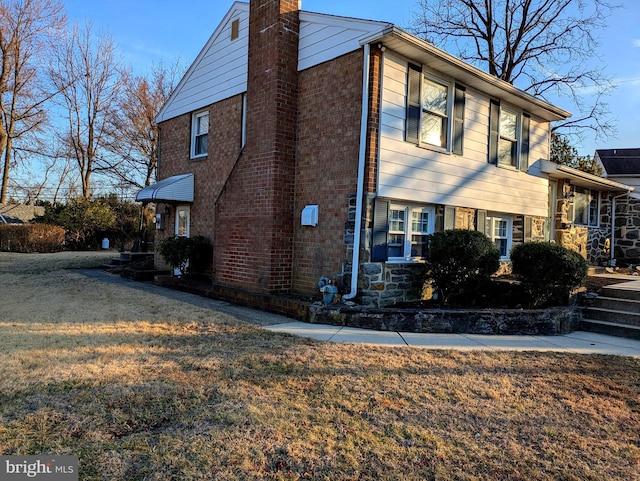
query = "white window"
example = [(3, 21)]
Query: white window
[(499, 230), (586, 207), (409, 227), (435, 111), (200, 134), (509, 136)]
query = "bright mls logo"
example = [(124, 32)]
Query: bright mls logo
[(49, 468)]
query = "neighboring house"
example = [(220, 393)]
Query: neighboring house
[(295, 136), (623, 165), (19, 213)]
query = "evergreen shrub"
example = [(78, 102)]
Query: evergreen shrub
[(461, 262), (548, 272)]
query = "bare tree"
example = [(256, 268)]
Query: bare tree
[(27, 29), (90, 100), (545, 47), (134, 143)]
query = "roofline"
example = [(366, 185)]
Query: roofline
[(394, 31), (552, 169), (237, 5)]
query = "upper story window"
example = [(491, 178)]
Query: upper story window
[(586, 207), (435, 112), (200, 134), (508, 136)]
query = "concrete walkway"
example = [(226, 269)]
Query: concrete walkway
[(576, 342)]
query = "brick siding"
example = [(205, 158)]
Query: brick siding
[(327, 167)]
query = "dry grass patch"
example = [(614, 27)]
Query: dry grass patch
[(140, 387)]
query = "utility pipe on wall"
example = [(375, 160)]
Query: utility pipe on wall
[(364, 120)]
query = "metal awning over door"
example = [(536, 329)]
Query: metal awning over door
[(178, 188)]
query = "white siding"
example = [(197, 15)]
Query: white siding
[(219, 71), (325, 37), (412, 173)]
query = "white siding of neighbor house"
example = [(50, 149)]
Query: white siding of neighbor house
[(413, 173), (219, 71), (325, 37)]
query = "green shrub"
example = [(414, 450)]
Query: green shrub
[(190, 255), (461, 261), (31, 238), (87, 222), (548, 272)]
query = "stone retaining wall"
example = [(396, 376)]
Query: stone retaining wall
[(560, 320)]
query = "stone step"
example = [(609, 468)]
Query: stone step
[(611, 315), (610, 328), (617, 304), (621, 292)]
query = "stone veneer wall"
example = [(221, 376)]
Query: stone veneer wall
[(383, 284), (598, 253), (627, 230)]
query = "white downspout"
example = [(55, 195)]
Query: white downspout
[(364, 120)]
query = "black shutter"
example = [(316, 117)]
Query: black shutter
[(524, 152), (458, 119), (414, 107), (494, 131), (380, 231)]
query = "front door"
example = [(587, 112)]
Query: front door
[(183, 225)]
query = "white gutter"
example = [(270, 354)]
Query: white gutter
[(364, 120)]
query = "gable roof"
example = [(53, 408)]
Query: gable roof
[(620, 162), (221, 68), (19, 213), (218, 72)]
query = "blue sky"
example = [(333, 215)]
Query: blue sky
[(148, 31)]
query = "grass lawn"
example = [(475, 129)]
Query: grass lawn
[(141, 387)]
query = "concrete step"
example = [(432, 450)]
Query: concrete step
[(611, 315), (620, 292), (617, 304), (610, 328), (119, 261)]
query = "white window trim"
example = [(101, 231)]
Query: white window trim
[(243, 121), (490, 231), (518, 114), (408, 209), (450, 97), (194, 123)]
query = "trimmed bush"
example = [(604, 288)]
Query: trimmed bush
[(548, 272), (31, 238), (461, 262), (190, 255)]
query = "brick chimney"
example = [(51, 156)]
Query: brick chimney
[(255, 219)]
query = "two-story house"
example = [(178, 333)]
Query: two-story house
[(307, 145)]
